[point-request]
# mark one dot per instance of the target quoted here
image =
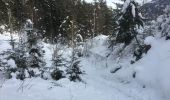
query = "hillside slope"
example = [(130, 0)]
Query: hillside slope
[(99, 83)]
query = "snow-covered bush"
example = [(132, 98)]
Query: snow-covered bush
[(58, 63)]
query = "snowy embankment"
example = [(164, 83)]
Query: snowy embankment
[(99, 84), (154, 69)]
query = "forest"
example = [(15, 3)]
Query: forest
[(84, 50)]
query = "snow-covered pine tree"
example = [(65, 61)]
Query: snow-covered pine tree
[(57, 73), (73, 69), (28, 54), (33, 46), (128, 23), (19, 56), (58, 62)]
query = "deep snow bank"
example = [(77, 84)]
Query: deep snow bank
[(153, 70)]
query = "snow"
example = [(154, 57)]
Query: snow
[(153, 70), (149, 40), (79, 36), (29, 21), (98, 83), (125, 5), (11, 63), (4, 41), (98, 45), (2, 27), (160, 19), (133, 11), (129, 3), (140, 15), (110, 3)]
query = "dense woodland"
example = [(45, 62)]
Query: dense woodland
[(55, 17)]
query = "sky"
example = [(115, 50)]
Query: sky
[(111, 2)]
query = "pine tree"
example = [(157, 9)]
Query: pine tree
[(58, 63), (19, 56), (57, 73), (28, 54), (34, 49), (128, 23), (73, 69)]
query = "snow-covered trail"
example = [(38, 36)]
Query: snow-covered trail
[(119, 86), (114, 88)]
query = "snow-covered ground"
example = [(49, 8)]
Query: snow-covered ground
[(151, 82)]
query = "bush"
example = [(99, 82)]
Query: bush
[(57, 74)]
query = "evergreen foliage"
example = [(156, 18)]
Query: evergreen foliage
[(73, 69), (27, 54), (128, 23), (57, 73), (34, 49), (48, 15)]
